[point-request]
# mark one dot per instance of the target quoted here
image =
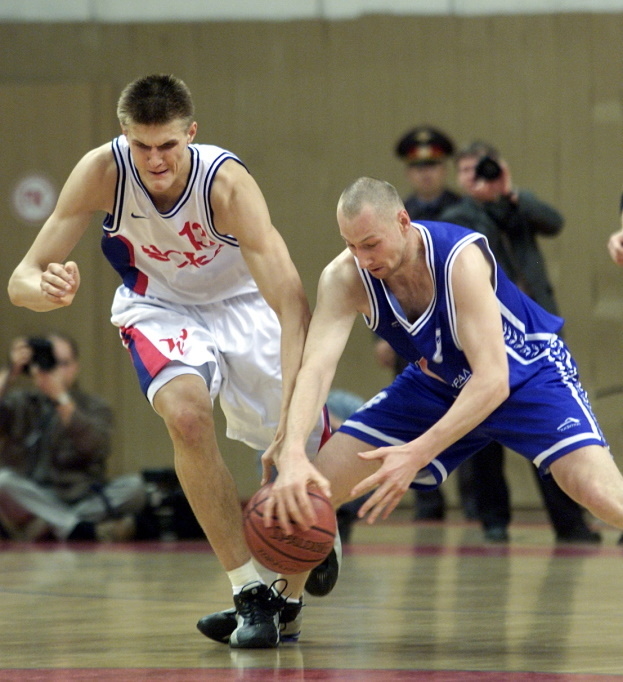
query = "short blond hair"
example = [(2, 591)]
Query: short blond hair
[(365, 191)]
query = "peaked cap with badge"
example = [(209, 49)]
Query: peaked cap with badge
[(424, 145)]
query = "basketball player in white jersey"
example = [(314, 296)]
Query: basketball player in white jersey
[(210, 304)]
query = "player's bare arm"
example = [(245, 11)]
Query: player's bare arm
[(480, 333), (341, 296), (481, 336), (43, 280), (241, 211)]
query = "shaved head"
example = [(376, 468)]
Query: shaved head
[(378, 194)]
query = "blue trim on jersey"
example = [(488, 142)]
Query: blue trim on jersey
[(136, 176), (186, 193), (207, 188), (188, 189), (116, 250), (111, 222)]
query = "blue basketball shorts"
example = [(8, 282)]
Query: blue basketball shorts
[(544, 418)]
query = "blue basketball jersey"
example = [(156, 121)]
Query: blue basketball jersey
[(547, 413), (529, 330)]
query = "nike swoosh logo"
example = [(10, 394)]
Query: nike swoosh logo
[(134, 215)]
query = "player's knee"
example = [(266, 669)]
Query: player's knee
[(188, 420), (596, 498)]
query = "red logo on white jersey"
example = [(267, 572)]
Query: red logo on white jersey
[(177, 343), (198, 238)]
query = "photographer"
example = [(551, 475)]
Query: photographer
[(54, 443), (511, 220)]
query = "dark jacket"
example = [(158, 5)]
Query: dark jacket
[(419, 210), (512, 230), (67, 459)]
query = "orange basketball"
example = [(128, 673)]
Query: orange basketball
[(294, 553)]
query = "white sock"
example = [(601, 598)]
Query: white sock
[(243, 575)]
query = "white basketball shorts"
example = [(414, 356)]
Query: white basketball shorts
[(234, 345)]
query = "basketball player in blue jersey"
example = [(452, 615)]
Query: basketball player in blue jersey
[(490, 366), (210, 304)]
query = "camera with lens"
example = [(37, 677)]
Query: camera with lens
[(488, 168), (42, 354)]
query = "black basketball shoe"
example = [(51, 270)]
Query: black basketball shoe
[(221, 625), (322, 579)]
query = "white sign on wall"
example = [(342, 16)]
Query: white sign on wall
[(33, 198)]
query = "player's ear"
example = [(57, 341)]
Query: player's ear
[(403, 218), (192, 131)]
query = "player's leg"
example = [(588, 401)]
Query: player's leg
[(250, 396), (566, 515), (181, 368), (338, 461), (251, 390), (185, 405), (549, 420), (186, 408), (397, 414), (590, 476)]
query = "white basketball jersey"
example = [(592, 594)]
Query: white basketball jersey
[(177, 256)]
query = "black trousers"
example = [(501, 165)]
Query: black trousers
[(493, 498), (431, 504)]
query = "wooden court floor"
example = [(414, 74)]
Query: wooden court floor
[(415, 601)]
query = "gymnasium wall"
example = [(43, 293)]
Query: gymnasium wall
[(310, 105)]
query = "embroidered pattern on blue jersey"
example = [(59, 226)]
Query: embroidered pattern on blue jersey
[(524, 348)]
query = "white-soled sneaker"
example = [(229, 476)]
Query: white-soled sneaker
[(257, 618), (221, 625)]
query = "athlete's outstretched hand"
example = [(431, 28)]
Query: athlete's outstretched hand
[(398, 469), (289, 501)]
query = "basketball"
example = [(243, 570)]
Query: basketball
[(287, 554)]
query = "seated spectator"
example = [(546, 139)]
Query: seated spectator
[(55, 440)]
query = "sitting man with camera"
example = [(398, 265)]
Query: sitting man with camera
[(512, 220), (55, 440)]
